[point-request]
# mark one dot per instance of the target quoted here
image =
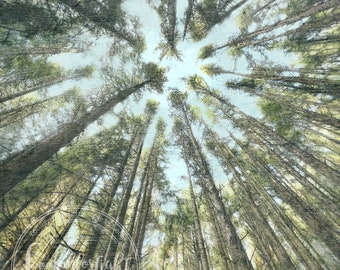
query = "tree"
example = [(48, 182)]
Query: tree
[(28, 19), (151, 180), (246, 39), (207, 14), (167, 13), (16, 170), (201, 249), (45, 81), (110, 17), (270, 141), (233, 250)]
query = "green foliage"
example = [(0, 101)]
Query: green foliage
[(295, 7), (177, 98), (244, 20), (235, 52), (196, 82), (34, 68), (212, 69), (154, 75), (29, 19), (152, 106), (86, 71), (246, 82), (207, 51), (281, 117), (197, 30), (210, 113)]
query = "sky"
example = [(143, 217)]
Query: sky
[(189, 65)]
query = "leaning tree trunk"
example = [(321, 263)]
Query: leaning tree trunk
[(15, 171), (42, 84), (115, 238), (247, 39), (201, 250), (238, 256), (91, 249), (319, 225), (256, 218)]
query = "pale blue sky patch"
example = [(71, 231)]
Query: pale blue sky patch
[(98, 56)]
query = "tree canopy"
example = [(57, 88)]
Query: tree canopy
[(164, 134)]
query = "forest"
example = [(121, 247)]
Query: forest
[(170, 134)]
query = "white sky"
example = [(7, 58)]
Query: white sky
[(177, 70)]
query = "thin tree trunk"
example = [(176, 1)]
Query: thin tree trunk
[(91, 249), (127, 249), (246, 39), (201, 252), (237, 254), (36, 88), (112, 247), (261, 225), (15, 171)]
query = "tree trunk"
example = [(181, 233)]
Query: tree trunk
[(112, 247), (37, 86), (237, 254), (15, 171), (91, 249), (260, 223), (246, 39), (201, 250), (127, 249)]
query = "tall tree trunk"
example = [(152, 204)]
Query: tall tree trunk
[(260, 223), (15, 171), (130, 248), (237, 254), (91, 249), (252, 125), (115, 238), (145, 212), (42, 84), (201, 250), (246, 39)]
